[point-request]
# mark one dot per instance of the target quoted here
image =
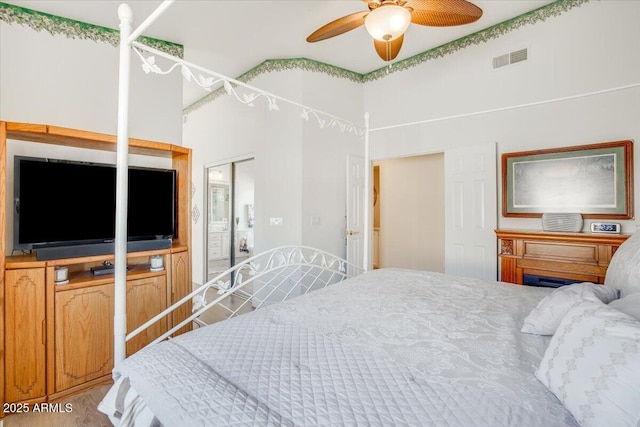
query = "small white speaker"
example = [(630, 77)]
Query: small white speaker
[(571, 222), (61, 275), (156, 263)]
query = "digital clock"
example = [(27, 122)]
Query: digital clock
[(605, 227)]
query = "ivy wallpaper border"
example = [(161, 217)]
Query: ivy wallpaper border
[(275, 65), (40, 21), (70, 28), (278, 65), (537, 15)]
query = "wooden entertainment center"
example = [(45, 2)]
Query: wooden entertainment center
[(57, 339)]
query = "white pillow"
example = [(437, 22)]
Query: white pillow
[(546, 316), (629, 305), (623, 272), (592, 365)]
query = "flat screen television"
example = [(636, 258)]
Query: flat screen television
[(66, 203)]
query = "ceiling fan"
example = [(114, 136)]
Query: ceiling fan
[(387, 20)]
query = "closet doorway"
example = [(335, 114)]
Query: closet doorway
[(438, 212), (230, 217), (408, 213)]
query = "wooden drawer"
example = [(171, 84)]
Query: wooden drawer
[(215, 252), (561, 251)]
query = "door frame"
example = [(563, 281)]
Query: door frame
[(438, 150)]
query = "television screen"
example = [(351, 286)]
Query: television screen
[(60, 202)]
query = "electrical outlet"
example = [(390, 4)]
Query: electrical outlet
[(315, 220), (275, 222)]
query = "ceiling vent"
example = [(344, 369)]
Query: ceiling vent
[(510, 58)]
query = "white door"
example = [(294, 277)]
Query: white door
[(355, 210), (471, 211)]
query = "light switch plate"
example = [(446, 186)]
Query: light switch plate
[(275, 222)]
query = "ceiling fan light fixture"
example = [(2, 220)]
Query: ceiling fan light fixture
[(387, 22)]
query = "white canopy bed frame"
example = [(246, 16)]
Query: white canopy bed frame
[(312, 263), (208, 79), (453, 355)]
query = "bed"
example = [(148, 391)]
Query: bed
[(386, 347), (391, 347)]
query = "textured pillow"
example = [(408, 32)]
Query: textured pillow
[(546, 316), (623, 272), (629, 305), (592, 364)]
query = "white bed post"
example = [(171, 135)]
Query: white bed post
[(367, 197), (122, 166)]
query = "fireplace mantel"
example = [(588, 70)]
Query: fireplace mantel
[(576, 256)]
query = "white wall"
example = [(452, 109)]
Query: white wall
[(51, 79), (324, 161), (567, 57), (226, 130), (300, 170)]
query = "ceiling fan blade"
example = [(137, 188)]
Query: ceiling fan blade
[(443, 13), (388, 50), (339, 26)]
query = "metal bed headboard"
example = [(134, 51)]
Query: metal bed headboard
[(269, 277)]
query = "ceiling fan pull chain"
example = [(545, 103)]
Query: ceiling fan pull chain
[(388, 55)]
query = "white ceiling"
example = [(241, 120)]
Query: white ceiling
[(231, 37)]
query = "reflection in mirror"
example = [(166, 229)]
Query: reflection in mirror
[(243, 195), (218, 192), (219, 199), (230, 215)]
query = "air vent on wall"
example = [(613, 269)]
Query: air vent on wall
[(510, 58)]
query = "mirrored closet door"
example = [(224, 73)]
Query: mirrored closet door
[(230, 217)]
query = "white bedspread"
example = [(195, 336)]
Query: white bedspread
[(387, 348)]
